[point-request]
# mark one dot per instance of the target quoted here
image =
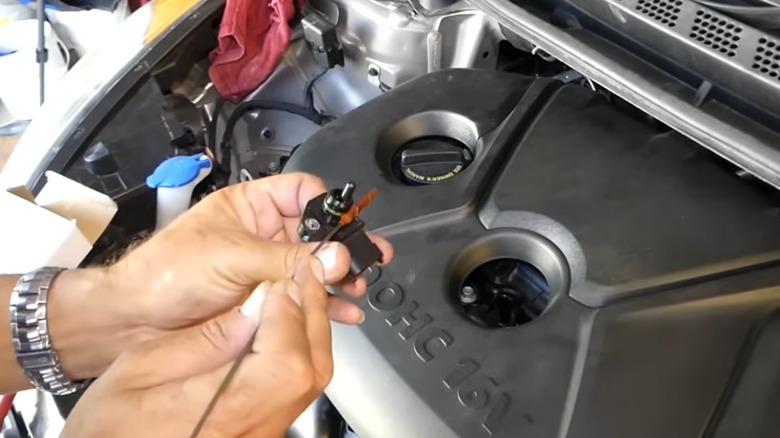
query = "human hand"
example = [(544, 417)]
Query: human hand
[(162, 387), (208, 259), (202, 264)]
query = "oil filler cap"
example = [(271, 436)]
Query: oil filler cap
[(432, 160)]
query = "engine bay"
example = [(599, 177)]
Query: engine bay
[(567, 264)]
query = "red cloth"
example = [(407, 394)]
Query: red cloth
[(252, 39), (135, 4)]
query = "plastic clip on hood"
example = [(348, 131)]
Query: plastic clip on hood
[(175, 180)]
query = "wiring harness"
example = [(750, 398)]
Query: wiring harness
[(308, 111)]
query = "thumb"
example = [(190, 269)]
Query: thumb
[(252, 260), (195, 350)]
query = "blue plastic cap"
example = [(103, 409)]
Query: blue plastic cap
[(45, 5), (178, 171)]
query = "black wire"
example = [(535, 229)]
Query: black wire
[(308, 96), (253, 105), (298, 16), (307, 111), (18, 422)]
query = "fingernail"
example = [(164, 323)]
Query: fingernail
[(253, 306), (318, 269), (362, 317), (328, 256)]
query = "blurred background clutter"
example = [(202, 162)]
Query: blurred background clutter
[(67, 30)]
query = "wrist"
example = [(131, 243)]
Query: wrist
[(89, 324)]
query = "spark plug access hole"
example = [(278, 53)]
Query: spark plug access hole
[(508, 278), (504, 293)]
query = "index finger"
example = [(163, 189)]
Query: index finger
[(315, 309), (282, 331), (288, 193)]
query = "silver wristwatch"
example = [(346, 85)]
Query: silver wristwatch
[(30, 333)]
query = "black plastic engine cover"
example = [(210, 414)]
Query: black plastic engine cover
[(663, 268)]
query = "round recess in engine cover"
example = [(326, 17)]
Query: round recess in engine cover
[(431, 160), (504, 293)]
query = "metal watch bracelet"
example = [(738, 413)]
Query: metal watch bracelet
[(30, 333)]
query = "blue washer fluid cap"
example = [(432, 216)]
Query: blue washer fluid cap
[(178, 171)]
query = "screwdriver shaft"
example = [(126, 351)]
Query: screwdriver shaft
[(221, 389)]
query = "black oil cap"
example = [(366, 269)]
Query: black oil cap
[(432, 160), (99, 161)]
